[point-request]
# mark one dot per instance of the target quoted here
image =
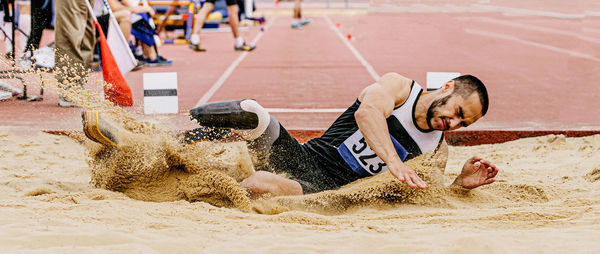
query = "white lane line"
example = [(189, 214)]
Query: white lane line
[(531, 43), (364, 62), (532, 27), (305, 110), (529, 12), (592, 30), (480, 8), (298, 110), (232, 67)]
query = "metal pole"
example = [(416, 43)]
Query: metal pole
[(14, 27), (190, 21)]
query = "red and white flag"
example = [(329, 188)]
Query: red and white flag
[(118, 90)]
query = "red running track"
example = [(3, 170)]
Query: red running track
[(541, 67)]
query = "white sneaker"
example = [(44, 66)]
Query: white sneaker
[(5, 87), (5, 95), (44, 57), (63, 102)]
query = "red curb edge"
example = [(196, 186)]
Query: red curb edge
[(470, 138), (454, 138)]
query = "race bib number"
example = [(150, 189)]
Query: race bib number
[(362, 159)]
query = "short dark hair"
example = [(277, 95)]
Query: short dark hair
[(465, 85)]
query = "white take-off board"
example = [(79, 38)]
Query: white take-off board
[(435, 80), (160, 93)]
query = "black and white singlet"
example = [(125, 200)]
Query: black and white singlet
[(343, 147)]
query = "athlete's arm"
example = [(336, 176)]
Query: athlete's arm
[(377, 103)]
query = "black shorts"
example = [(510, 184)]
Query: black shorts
[(289, 156), (228, 2)]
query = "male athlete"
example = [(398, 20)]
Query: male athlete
[(392, 120)]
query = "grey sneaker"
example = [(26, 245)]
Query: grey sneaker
[(306, 22), (64, 102), (5, 95), (8, 88)]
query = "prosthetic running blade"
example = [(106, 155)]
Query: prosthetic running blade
[(225, 114)]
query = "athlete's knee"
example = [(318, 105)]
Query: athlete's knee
[(246, 115), (207, 8)]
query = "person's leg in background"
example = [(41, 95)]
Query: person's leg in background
[(123, 17), (144, 34), (24, 24), (7, 27), (41, 15), (297, 20), (234, 23), (198, 24), (152, 58), (265, 138), (232, 12), (74, 39)]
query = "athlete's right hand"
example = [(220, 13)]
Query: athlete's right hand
[(405, 174)]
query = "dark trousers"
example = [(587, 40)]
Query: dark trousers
[(41, 16)]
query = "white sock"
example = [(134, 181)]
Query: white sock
[(302, 20), (239, 41), (25, 25), (295, 21), (195, 39), (139, 51)]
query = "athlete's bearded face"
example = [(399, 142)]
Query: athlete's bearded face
[(453, 111)]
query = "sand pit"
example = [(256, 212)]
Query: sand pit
[(547, 199)]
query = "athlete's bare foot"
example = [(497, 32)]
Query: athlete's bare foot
[(476, 172)]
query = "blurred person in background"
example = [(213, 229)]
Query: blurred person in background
[(41, 18), (74, 41), (134, 19), (297, 20), (234, 22)]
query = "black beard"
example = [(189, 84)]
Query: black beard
[(436, 103)]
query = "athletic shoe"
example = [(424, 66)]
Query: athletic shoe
[(245, 47), (25, 63), (5, 95), (99, 129), (64, 102), (138, 66), (158, 61), (138, 57), (297, 26), (197, 47), (163, 61), (8, 88), (306, 22)]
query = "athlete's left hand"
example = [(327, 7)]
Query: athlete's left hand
[(476, 172)]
